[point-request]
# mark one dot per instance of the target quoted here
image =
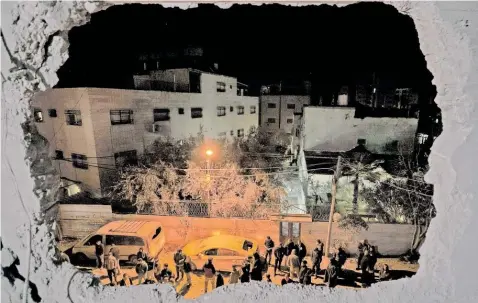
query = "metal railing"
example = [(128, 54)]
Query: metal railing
[(166, 86)]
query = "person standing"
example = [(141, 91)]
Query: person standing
[(126, 281), (100, 254), (372, 259), (246, 272), (384, 273), (279, 253), (116, 253), (304, 271), (141, 269), (364, 266), (234, 275), (269, 245), (363, 245), (209, 275), (141, 255), (290, 246), (256, 272), (179, 259), (341, 258), (316, 260), (187, 270), (111, 267), (294, 264), (301, 251), (286, 280), (331, 274), (166, 274), (219, 280)]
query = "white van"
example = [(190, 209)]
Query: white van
[(128, 236)]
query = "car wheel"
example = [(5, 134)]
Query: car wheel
[(133, 259), (81, 258)]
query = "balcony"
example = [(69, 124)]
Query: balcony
[(165, 86)]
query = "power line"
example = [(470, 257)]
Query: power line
[(64, 122)]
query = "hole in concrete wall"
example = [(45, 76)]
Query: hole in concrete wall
[(335, 60)]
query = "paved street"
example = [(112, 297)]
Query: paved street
[(197, 288)]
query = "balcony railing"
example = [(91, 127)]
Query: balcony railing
[(166, 86)]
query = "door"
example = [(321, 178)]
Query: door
[(88, 246), (289, 230)]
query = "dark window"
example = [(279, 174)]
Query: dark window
[(59, 154), (290, 106), (52, 113), (240, 110), (220, 87), (79, 161), (181, 111), (231, 108), (211, 252), (157, 232), (161, 114), (253, 109), (247, 245), (196, 112), (126, 158), (92, 241), (232, 133), (290, 121), (297, 132), (240, 133), (121, 116), (124, 240), (221, 111), (271, 105), (73, 117), (230, 86), (361, 141), (271, 120), (37, 115)]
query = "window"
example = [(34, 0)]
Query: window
[(196, 112), (59, 154), (253, 109), (226, 252), (290, 106), (240, 110), (231, 108), (126, 158), (92, 241), (230, 86), (271, 120), (221, 111), (37, 115), (290, 121), (361, 141), (79, 161), (124, 240), (121, 116), (220, 87), (232, 133), (181, 111), (52, 113), (157, 232), (271, 105), (73, 117), (211, 252), (297, 132), (252, 130), (161, 114), (240, 133)]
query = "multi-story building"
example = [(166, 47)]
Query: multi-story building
[(93, 130), (279, 104)]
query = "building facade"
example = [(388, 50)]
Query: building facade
[(278, 111), (92, 131)]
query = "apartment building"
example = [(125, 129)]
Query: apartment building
[(92, 131), (277, 111)]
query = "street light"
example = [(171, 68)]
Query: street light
[(209, 153)]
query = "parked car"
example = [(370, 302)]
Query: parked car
[(128, 236), (225, 250)]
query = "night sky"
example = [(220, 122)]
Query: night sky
[(258, 44)]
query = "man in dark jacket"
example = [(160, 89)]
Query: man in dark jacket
[(179, 259), (316, 260), (256, 272), (286, 280), (331, 274), (304, 270), (209, 275), (269, 245), (301, 250), (100, 254), (363, 245), (219, 280), (279, 253), (341, 257), (141, 255)]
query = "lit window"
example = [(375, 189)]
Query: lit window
[(37, 115), (240, 133), (79, 161), (220, 87), (240, 110), (221, 111), (253, 109)]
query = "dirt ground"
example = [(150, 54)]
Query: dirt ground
[(398, 268)]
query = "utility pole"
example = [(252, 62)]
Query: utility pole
[(335, 179)]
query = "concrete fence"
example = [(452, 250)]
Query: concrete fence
[(77, 221)]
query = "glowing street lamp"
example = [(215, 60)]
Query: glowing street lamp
[(209, 153)]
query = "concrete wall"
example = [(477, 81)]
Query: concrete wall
[(99, 140), (281, 110), (335, 129)]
